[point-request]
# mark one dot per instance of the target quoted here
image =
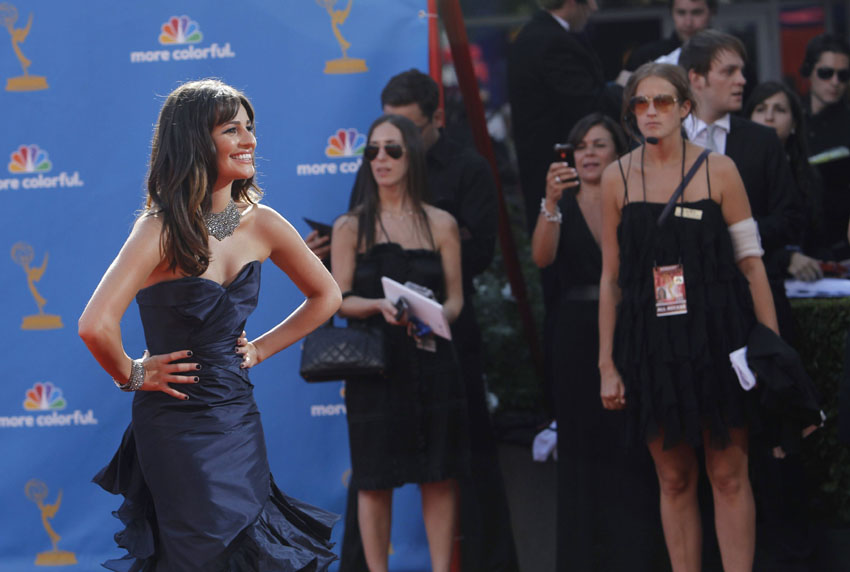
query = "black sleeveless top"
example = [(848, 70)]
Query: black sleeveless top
[(410, 427), (676, 369)]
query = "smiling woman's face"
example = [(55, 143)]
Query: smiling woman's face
[(595, 152), (234, 145)]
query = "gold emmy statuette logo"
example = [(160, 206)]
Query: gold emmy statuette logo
[(23, 255), (343, 64), (36, 491), (26, 82)]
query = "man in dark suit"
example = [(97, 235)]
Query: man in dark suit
[(554, 79), (714, 62), (827, 65), (689, 17)]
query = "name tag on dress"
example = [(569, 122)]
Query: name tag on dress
[(685, 212)]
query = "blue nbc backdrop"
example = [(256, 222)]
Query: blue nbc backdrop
[(80, 86)]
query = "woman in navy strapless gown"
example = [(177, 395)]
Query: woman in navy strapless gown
[(192, 466)]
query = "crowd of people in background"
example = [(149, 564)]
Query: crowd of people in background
[(785, 169), (617, 373)]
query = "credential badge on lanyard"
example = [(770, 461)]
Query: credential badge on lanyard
[(670, 297)]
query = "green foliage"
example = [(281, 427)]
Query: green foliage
[(821, 336), (508, 365), (507, 358)]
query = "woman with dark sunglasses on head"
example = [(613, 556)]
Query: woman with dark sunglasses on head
[(682, 284), (599, 526), (409, 426)]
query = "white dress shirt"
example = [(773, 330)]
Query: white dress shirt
[(701, 133), (671, 58), (564, 24)]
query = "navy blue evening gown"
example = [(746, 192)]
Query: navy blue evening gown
[(198, 491)]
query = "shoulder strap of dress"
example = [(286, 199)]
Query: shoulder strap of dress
[(428, 228), (384, 230), (707, 178), (625, 184)]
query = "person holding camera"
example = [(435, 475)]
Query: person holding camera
[(592, 509), (409, 426)]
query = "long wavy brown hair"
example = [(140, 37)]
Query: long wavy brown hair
[(183, 169), (366, 206)]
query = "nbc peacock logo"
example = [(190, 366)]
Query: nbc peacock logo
[(34, 161), (44, 397), (341, 144), (184, 35), (44, 401), (29, 159), (345, 143), (180, 30)]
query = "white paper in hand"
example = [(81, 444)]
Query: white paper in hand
[(422, 307)]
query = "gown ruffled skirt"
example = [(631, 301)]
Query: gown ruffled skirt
[(198, 492)]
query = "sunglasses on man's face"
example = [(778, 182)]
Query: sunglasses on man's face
[(826, 73), (394, 150), (662, 102)]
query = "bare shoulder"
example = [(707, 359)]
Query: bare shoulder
[(267, 220), (722, 170), (612, 181), (441, 221), (147, 228), (346, 224), (721, 165), (264, 214)]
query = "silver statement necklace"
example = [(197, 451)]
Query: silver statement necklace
[(223, 224)]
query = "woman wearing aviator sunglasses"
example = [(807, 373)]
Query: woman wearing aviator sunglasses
[(677, 295), (410, 426)]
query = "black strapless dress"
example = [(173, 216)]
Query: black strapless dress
[(410, 427), (198, 491)]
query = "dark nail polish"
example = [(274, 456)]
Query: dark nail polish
[(197, 379), (189, 353), (185, 397), (197, 366)]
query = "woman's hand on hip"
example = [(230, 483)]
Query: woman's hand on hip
[(248, 351), (160, 371)]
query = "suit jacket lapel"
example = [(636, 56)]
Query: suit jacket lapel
[(733, 139)]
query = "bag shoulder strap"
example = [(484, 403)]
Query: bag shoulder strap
[(681, 188)]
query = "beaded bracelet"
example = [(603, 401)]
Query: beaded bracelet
[(137, 377), (551, 217)]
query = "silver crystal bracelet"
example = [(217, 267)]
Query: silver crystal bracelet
[(137, 377), (551, 217)]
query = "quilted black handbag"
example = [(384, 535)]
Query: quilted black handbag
[(330, 353)]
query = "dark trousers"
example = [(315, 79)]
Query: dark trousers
[(487, 542)]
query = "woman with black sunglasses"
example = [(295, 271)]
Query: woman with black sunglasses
[(682, 278), (409, 426)]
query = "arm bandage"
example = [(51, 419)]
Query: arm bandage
[(745, 239)]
